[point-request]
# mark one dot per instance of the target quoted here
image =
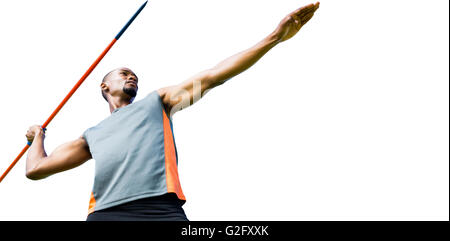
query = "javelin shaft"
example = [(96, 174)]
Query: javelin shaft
[(77, 85)]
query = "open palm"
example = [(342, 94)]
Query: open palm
[(294, 21)]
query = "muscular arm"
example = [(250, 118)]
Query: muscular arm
[(191, 90), (64, 157), (181, 96)]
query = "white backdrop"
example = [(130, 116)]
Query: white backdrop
[(348, 120)]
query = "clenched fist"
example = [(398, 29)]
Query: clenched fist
[(33, 131)]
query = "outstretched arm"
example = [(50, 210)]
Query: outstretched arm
[(188, 92)]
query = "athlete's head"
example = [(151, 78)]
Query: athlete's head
[(120, 82)]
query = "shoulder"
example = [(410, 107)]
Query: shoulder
[(165, 95), (82, 140)]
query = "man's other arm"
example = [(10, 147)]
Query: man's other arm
[(183, 95), (64, 157)]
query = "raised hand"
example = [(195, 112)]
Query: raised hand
[(294, 21)]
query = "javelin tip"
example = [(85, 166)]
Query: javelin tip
[(130, 21)]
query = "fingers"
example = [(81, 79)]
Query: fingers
[(305, 15), (31, 132), (309, 10), (34, 128), (303, 9), (306, 18), (306, 10), (29, 136)]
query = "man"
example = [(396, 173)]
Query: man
[(136, 176)]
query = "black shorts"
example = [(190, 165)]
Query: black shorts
[(161, 208)]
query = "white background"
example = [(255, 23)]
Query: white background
[(348, 120)]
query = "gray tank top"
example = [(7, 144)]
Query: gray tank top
[(135, 155)]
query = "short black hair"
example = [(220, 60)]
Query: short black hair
[(103, 81)]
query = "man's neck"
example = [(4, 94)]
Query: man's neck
[(118, 102)]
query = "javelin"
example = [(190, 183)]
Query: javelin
[(72, 91)]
